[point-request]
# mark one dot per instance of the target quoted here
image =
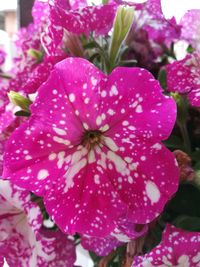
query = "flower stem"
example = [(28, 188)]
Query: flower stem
[(182, 105), (185, 135)]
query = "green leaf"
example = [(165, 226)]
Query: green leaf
[(174, 142), (185, 202), (94, 257), (190, 49), (36, 54), (196, 156), (188, 223), (19, 100), (22, 113), (162, 78), (90, 45)]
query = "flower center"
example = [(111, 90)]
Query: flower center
[(91, 138)]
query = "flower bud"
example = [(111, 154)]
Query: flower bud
[(19, 100), (122, 24), (35, 54)]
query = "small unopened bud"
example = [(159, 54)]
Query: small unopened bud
[(19, 100), (122, 24), (36, 54)]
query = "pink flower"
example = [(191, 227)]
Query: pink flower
[(183, 77), (38, 74), (178, 248), (27, 38), (158, 27), (21, 241), (84, 20), (92, 148)]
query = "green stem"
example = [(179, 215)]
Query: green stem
[(185, 135), (182, 118), (5, 76)]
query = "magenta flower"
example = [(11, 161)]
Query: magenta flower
[(84, 20), (92, 148), (21, 241), (177, 249), (159, 28), (183, 77), (39, 73)]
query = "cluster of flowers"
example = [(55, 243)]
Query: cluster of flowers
[(99, 130)]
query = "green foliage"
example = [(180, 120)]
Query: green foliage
[(184, 209)]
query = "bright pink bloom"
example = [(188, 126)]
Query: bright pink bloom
[(177, 249), (27, 38), (158, 27), (33, 78), (21, 241), (92, 147), (184, 77), (84, 20)]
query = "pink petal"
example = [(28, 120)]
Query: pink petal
[(177, 248)]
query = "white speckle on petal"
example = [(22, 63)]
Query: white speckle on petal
[(113, 90), (85, 126), (157, 146), (87, 100), (153, 192), (98, 120), (52, 156), (59, 131), (91, 156), (93, 81), (109, 142), (72, 171), (61, 140), (111, 112), (125, 123), (96, 179), (72, 97), (42, 174), (139, 109), (103, 93), (119, 163)]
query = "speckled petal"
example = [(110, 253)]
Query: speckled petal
[(178, 248), (97, 19), (183, 77), (133, 99), (100, 246)]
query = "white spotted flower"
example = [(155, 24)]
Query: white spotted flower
[(92, 148)]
